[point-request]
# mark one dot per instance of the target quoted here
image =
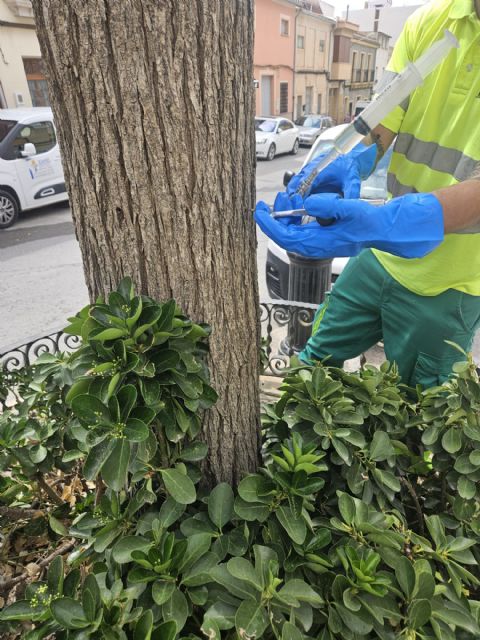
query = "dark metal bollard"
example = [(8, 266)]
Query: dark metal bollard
[(309, 280)]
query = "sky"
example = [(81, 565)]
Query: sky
[(341, 5)]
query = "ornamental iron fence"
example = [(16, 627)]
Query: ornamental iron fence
[(285, 329)]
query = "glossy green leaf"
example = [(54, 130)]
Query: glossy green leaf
[(291, 632), (452, 440), (109, 334), (220, 505), (237, 588), (114, 470), (57, 526), (251, 511), (19, 610), (242, 569), (165, 631), (194, 452), (251, 619), (419, 613), (301, 591), (90, 410), (295, 527), (144, 627), (170, 512), (68, 613), (122, 550), (136, 430), (176, 609), (197, 545), (162, 591), (405, 575), (466, 488), (55, 576), (97, 457), (381, 447), (179, 486)]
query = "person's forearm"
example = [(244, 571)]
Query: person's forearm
[(461, 205), (382, 137)]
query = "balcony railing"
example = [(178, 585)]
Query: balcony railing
[(284, 326)]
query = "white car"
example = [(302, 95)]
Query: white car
[(277, 265), (311, 127), (31, 172), (275, 135)]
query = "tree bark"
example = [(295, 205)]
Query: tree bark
[(153, 103)]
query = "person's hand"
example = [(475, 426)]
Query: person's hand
[(410, 226), (342, 176)]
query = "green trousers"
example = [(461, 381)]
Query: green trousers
[(367, 305)]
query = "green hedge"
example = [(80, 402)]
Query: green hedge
[(362, 523)]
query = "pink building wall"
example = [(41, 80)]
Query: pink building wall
[(274, 57)]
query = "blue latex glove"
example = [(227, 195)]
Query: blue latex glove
[(342, 176), (410, 226)]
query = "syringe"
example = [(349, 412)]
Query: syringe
[(392, 95)]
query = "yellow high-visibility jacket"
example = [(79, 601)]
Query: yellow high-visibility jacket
[(438, 140)]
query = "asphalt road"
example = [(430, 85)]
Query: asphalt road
[(42, 275)]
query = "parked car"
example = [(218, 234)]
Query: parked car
[(374, 189), (311, 127), (275, 135), (31, 173)]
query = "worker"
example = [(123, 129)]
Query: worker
[(415, 279)]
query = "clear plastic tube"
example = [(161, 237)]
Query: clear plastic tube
[(394, 94)]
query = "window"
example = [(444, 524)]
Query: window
[(283, 97), (285, 125), (321, 45), (300, 42), (367, 70), (319, 103), (308, 99), (5, 127), (37, 82), (299, 106), (284, 27), (265, 125), (41, 134), (310, 121)]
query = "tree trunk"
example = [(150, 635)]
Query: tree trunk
[(153, 103)]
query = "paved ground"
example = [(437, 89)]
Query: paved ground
[(42, 277)]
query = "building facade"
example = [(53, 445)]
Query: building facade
[(313, 55), (22, 81), (353, 70), (362, 78), (274, 57), (382, 17), (384, 53)]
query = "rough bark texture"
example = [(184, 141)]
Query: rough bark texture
[(153, 102)]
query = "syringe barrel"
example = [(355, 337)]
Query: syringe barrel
[(394, 94), (409, 79)]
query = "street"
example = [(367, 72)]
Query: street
[(42, 275)]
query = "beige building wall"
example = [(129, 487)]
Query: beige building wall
[(18, 40), (313, 48)]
